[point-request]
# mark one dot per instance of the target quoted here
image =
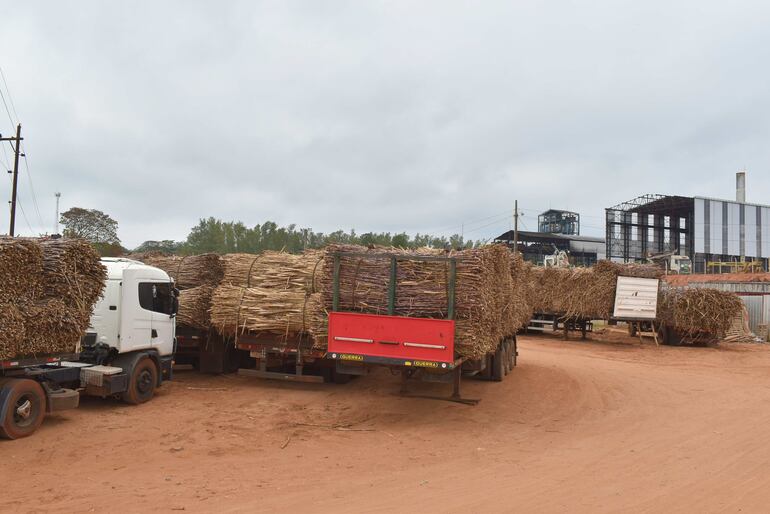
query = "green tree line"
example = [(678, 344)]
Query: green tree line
[(213, 235)]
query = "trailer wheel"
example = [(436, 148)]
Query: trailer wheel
[(514, 352), (141, 384), (632, 329), (25, 409), (498, 364)]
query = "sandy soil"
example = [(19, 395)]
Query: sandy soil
[(578, 427)]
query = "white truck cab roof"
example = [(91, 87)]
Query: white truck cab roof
[(117, 265)]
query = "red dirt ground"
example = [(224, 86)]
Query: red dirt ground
[(590, 426)]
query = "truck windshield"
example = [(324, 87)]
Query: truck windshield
[(156, 297)]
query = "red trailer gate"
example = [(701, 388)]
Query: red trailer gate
[(392, 340)]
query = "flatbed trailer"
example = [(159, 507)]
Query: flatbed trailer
[(550, 322), (206, 351), (294, 359), (358, 343)]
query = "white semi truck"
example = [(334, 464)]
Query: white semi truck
[(127, 352)]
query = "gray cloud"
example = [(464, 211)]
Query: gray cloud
[(383, 115)]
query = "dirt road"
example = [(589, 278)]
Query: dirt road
[(578, 427)]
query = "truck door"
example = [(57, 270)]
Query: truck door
[(158, 298), (135, 320)]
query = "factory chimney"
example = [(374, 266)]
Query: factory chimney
[(740, 186)]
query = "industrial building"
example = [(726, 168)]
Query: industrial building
[(714, 234), (558, 230), (554, 221)]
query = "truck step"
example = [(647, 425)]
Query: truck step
[(94, 375)]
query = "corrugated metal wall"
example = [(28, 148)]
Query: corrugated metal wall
[(755, 295), (755, 306)]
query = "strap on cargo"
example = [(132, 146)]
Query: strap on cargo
[(178, 269), (312, 277), (238, 314), (248, 276)]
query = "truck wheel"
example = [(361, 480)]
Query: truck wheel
[(25, 409), (141, 384), (498, 364), (632, 329)]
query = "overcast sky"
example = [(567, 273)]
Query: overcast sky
[(381, 116)]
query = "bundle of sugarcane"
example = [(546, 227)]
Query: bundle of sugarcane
[(422, 287), (194, 305), (273, 293), (629, 269), (189, 271), (583, 293), (483, 288), (521, 294), (283, 312), (271, 270), (701, 311), (52, 326), (547, 289), (72, 271), (21, 262), (64, 279), (12, 330), (739, 330)]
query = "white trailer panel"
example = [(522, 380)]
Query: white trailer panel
[(636, 298)]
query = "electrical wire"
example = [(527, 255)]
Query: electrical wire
[(22, 148), (469, 223), (24, 215), (6, 163), (2, 96), (10, 98), (32, 188)]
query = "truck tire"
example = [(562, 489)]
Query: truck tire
[(24, 409), (142, 382), (498, 364)]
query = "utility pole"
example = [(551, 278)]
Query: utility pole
[(515, 227), (56, 219), (17, 152)]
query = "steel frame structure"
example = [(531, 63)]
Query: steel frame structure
[(648, 225)]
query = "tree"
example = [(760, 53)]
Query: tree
[(90, 224), (165, 246), (214, 235)]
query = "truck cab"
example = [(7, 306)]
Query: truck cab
[(680, 264), (137, 310)]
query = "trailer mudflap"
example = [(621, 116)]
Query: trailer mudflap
[(391, 340)]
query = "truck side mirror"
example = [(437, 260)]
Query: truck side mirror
[(174, 302)]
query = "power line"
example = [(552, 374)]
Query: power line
[(5, 162), (10, 98), (22, 147), (32, 187), (24, 215), (459, 225), (498, 222), (2, 96)]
